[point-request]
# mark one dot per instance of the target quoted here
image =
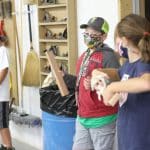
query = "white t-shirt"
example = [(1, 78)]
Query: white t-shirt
[(4, 86)]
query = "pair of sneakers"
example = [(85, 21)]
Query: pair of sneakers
[(2, 147)]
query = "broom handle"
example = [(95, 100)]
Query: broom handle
[(30, 28), (18, 46)]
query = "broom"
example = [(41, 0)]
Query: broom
[(31, 75)]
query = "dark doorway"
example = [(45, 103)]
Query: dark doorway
[(147, 9)]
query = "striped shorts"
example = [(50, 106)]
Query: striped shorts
[(4, 114)]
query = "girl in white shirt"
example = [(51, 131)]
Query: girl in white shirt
[(4, 97)]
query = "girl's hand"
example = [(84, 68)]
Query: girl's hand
[(87, 83), (107, 95)]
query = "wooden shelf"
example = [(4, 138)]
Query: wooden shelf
[(61, 58), (57, 57), (52, 23), (52, 41), (52, 6), (44, 73), (43, 57), (64, 9)]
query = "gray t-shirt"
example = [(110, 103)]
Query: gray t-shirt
[(110, 59)]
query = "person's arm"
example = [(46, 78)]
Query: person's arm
[(3, 74), (134, 85)]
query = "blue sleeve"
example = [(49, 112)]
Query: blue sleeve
[(143, 68)]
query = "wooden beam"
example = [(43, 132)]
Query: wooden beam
[(142, 8), (125, 7), (11, 33)]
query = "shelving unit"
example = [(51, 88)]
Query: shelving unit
[(53, 20)]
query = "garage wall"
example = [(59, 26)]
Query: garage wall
[(91, 8), (31, 100)]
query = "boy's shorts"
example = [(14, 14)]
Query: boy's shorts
[(4, 114), (101, 138)]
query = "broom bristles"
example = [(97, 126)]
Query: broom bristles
[(31, 76)]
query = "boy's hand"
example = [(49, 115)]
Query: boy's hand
[(87, 83), (97, 72), (107, 72)]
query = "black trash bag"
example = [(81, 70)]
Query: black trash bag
[(52, 101)]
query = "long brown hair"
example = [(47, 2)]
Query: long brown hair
[(136, 29)]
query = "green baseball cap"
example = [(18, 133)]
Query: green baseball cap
[(97, 23)]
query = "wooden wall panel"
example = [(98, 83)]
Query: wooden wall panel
[(10, 30), (125, 7), (147, 9), (142, 7)]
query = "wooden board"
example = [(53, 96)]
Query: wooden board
[(57, 74)]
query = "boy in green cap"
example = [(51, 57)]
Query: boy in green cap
[(96, 123)]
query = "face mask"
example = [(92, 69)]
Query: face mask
[(91, 42), (123, 51)]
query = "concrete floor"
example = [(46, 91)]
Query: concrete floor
[(22, 146)]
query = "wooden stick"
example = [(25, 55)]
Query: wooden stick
[(57, 74)]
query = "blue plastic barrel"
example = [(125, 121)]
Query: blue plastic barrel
[(58, 132)]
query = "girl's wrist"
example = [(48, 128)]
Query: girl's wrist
[(111, 88)]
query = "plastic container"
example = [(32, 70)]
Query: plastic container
[(58, 132)]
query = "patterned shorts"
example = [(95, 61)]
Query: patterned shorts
[(4, 114)]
